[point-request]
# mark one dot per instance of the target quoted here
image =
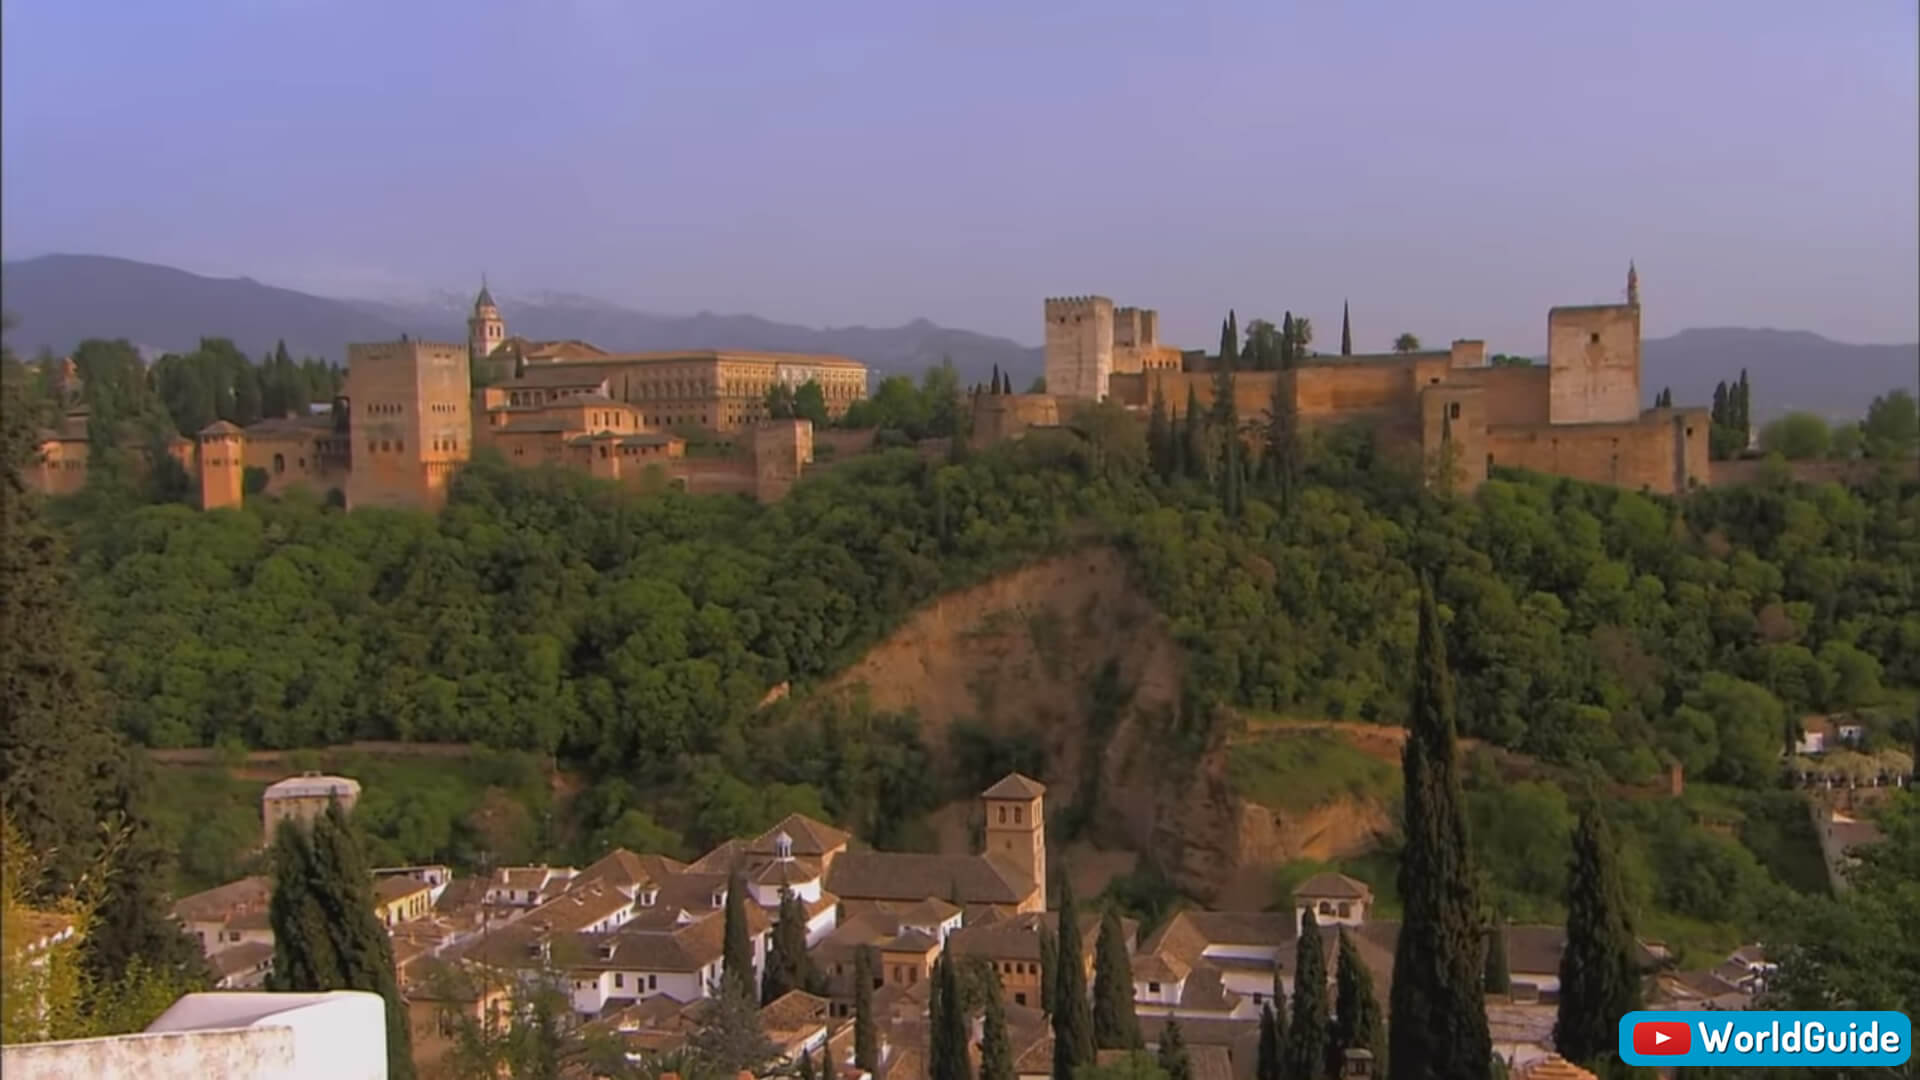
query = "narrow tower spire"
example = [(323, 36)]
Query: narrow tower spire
[(1633, 284)]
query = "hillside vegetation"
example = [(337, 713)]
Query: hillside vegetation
[(635, 637)]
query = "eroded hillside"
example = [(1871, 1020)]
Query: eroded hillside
[(1067, 653)]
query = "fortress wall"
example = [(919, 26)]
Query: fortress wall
[(1512, 395), (1754, 470), (1007, 416), (1453, 421), (295, 459), (1654, 453)]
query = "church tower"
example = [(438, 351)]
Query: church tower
[(1017, 829), (486, 330)]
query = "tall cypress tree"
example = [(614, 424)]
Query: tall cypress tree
[(1072, 1012), (1193, 450), (326, 929), (947, 1032), (996, 1043), (1230, 343), (806, 1065), (1159, 435), (1266, 1065), (866, 1039), (1306, 1049), (1174, 1059), (1598, 983), (1233, 470), (1289, 347), (1281, 458), (1346, 330), (1498, 980), (788, 966), (1439, 1029), (1356, 1019), (1049, 969), (1115, 1027), (736, 954)]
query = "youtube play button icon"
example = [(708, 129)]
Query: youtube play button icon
[(1662, 1037)]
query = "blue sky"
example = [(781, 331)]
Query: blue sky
[(1454, 169)]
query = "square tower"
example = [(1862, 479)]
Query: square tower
[(1079, 356), (412, 422), (223, 465), (1017, 828), (1593, 363)]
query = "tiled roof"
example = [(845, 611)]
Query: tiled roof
[(235, 959), (555, 377), (809, 836), (1333, 887), (625, 869), (222, 902), (1015, 937), (221, 427), (1015, 786), (398, 886), (891, 875)]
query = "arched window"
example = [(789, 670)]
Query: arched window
[(279, 463), (1326, 908)]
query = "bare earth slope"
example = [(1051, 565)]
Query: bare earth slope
[(1021, 653)]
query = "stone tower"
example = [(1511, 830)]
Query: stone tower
[(223, 465), (412, 422), (1079, 353), (1017, 828), (486, 330)]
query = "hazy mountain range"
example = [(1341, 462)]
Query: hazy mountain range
[(59, 300)]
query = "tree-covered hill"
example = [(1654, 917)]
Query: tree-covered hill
[(546, 611)]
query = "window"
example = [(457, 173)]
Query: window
[(1453, 411), (1326, 908), (279, 463), (1594, 338), (653, 982), (1346, 908), (1003, 815), (1017, 812), (619, 978), (1153, 988), (1019, 999)]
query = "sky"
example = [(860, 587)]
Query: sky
[(1453, 170)]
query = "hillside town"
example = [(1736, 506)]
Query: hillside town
[(637, 941)]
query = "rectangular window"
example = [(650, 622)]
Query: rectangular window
[(620, 978)]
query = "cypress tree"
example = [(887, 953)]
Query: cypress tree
[(806, 1065), (1174, 1059), (1356, 1020), (866, 1040), (1598, 983), (1719, 411), (1289, 348), (1743, 414), (1439, 1029), (326, 929), (736, 955), (1159, 435), (1115, 1027), (996, 1043), (1072, 1012), (1194, 438), (1498, 979), (788, 965), (994, 380), (1306, 1047), (1266, 1065), (1049, 969), (1233, 465), (1346, 330), (1229, 343), (947, 1033), (1281, 460)]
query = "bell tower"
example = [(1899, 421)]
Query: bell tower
[(1016, 829), (486, 330)]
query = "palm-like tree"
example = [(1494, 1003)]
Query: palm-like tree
[(1406, 343), (1302, 333)]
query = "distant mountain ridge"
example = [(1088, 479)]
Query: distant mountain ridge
[(60, 300)]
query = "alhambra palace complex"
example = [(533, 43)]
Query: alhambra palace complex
[(1579, 415), (413, 419)]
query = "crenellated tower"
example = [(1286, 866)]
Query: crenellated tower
[(1079, 351)]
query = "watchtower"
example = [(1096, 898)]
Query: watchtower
[(1079, 356), (486, 330), (223, 465)]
